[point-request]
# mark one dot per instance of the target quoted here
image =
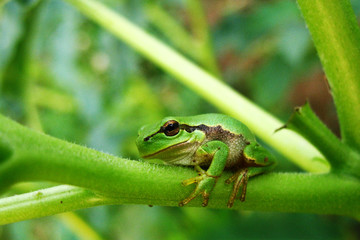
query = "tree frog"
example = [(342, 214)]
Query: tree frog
[(210, 143)]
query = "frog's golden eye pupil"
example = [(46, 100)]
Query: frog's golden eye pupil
[(171, 128)]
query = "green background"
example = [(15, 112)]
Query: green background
[(89, 88)]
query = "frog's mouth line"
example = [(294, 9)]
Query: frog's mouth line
[(165, 149)]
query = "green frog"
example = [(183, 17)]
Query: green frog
[(211, 143)]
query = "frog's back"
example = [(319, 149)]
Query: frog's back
[(222, 122), (222, 128)]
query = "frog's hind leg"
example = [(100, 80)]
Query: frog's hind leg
[(240, 178), (256, 160)]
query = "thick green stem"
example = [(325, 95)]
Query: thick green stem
[(229, 101), (276, 192), (27, 155), (336, 35), (30, 155), (35, 156)]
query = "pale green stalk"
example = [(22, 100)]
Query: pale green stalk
[(46, 202)]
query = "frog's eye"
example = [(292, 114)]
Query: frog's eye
[(171, 128)]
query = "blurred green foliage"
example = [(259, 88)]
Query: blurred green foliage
[(64, 75)]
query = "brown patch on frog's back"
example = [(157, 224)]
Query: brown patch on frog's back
[(220, 134), (217, 133), (236, 143)]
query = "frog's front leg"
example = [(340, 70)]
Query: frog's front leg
[(207, 179), (256, 161)]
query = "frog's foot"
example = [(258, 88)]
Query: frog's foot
[(205, 184), (239, 178)]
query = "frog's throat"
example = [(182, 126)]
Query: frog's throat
[(185, 127), (165, 149)]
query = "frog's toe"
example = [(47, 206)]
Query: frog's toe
[(240, 178), (231, 179), (186, 201), (193, 195), (192, 180), (205, 194), (206, 197)]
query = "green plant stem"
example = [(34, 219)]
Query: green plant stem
[(27, 155), (342, 158), (321, 194), (46, 202), (336, 35), (35, 156), (229, 101)]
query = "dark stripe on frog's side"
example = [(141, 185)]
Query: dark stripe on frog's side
[(215, 133), (212, 133)]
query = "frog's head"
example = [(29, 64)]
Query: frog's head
[(169, 140)]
